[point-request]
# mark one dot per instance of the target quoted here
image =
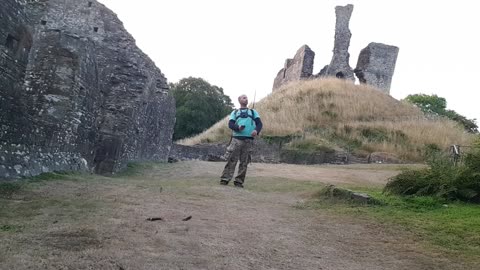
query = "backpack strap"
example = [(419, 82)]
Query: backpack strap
[(235, 113), (251, 115)]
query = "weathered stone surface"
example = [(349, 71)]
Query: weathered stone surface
[(302, 157), (300, 67), (209, 152), (331, 191), (76, 92), (263, 152), (339, 65), (376, 65)]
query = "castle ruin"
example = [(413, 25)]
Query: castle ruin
[(76, 93), (375, 66)]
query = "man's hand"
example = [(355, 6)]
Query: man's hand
[(254, 133), (241, 128)]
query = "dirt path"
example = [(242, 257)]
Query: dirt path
[(100, 223)]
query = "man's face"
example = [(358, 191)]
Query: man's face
[(243, 100)]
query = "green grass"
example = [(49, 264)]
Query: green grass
[(25, 205), (134, 169), (10, 228), (49, 176), (9, 188), (451, 226)]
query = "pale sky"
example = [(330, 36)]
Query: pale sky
[(241, 45)]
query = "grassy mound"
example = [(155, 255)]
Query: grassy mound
[(334, 113)]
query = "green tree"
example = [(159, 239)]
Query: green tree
[(199, 105), (433, 104)]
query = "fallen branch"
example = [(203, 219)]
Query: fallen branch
[(154, 218)]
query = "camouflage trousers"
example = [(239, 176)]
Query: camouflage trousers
[(237, 150)]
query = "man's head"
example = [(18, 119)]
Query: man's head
[(243, 100)]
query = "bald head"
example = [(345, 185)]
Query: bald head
[(243, 100)]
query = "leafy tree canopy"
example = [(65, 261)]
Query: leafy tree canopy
[(199, 105), (433, 104)]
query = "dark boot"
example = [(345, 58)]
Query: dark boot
[(238, 184), (223, 182)]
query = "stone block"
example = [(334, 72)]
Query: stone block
[(300, 67), (376, 65)]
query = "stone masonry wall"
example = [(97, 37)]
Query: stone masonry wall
[(301, 66), (76, 92), (376, 65), (339, 66)]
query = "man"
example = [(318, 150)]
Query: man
[(246, 125)]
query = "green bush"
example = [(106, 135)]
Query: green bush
[(472, 160), (442, 179)]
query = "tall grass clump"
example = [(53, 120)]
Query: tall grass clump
[(340, 113), (443, 179)]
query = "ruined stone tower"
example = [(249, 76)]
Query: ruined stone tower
[(339, 66), (375, 66), (76, 93)]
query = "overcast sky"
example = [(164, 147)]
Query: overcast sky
[(241, 45)]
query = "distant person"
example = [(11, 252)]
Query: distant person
[(246, 125)]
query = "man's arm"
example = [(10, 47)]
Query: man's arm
[(233, 126), (258, 125)]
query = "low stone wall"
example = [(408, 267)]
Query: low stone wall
[(303, 157), (18, 160), (209, 152), (334, 192), (264, 152)]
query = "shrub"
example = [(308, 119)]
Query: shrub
[(442, 179)]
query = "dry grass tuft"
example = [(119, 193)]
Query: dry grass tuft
[(338, 112)]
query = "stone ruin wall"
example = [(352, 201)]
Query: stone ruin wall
[(339, 66), (76, 93), (299, 67), (375, 65)]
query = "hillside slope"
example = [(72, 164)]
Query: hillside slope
[(331, 113)]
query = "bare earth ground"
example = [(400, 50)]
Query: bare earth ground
[(92, 222)]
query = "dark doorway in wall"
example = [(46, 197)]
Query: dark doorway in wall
[(19, 44), (43, 22), (90, 4), (95, 29), (340, 75), (12, 42)]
